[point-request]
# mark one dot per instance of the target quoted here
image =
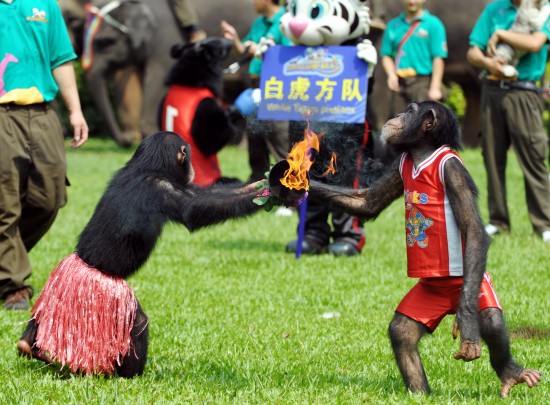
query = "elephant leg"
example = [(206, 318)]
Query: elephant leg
[(129, 96)]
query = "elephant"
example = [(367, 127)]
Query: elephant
[(131, 56), (459, 19), (131, 47)]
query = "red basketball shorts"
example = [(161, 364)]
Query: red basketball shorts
[(431, 299)]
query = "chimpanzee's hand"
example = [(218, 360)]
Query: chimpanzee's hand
[(468, 350)]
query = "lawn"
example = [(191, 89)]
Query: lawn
[(234, 319)]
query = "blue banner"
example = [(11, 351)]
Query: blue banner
[(327, 83)]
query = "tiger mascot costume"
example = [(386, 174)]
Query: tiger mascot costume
[(320, 23)]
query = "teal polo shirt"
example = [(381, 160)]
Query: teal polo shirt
[(33, 41), (428, 41), (501, 15), (265, 28)]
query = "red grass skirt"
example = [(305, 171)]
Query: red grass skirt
[(85, 317)]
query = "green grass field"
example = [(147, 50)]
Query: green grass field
[(234, 319)]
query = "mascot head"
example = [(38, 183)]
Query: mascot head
[(325, 22)]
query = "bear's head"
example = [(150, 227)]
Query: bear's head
[(325, 22), (200, 64)]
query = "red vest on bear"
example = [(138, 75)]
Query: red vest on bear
[(178, 111)]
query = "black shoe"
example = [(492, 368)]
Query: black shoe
[(18, 300), (343, 249), (308, 247)]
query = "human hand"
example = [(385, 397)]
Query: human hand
[(468, 350), (496, 68), (228, 31), (493, 42), (250, 48), (435, 93), (393, 83), (80, 129)]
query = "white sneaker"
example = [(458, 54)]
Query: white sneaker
[(491, 229), (546, 236), (283, 211)]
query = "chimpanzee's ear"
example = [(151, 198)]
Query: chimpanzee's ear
[(182, 154), (430, 121)]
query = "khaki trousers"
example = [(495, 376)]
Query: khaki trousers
[(514, 118), (32, 185), (413, 90)]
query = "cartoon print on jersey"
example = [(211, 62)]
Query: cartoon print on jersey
[(416, 226)]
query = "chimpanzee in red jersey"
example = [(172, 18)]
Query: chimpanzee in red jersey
[(446, 245), (87, 318)]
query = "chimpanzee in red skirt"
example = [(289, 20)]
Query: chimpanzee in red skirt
[(446, 245), (87, 317)]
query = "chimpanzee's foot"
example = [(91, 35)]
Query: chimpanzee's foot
[(527, 376), (25, 349)]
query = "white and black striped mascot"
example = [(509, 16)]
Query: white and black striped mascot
[(322, 23)]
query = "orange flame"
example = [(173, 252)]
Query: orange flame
[(332, 165), (300, 161)]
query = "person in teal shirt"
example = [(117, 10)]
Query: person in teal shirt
[(265, 26), (511, 115), (265, 138), (413, 50), (35, 64)]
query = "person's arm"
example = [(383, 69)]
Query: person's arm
[(230, 33), (389, 67), (438, 68), (525, 42), (477, 58), (65, 77)]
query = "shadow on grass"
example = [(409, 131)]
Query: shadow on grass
[(247, 245), (205, 372), (54, 370), (529, 332)]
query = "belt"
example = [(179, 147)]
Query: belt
[(407, 81), (530, 85), (35, 107)]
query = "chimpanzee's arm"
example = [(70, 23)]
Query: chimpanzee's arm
[(364, 203), (462, 195), (213, 205)]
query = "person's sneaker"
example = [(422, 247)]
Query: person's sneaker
[(308, 247), (343, 249), (491, 230), (18, 300), (546, 236)]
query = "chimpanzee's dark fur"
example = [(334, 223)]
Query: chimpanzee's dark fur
[(149, 191), (419, 131)]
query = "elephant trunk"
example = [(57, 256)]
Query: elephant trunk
[(97, 82)]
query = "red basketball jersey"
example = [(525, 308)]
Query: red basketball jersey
[(434, 242), (178, 111)]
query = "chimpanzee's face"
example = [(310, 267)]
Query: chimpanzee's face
[(398, 129)]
